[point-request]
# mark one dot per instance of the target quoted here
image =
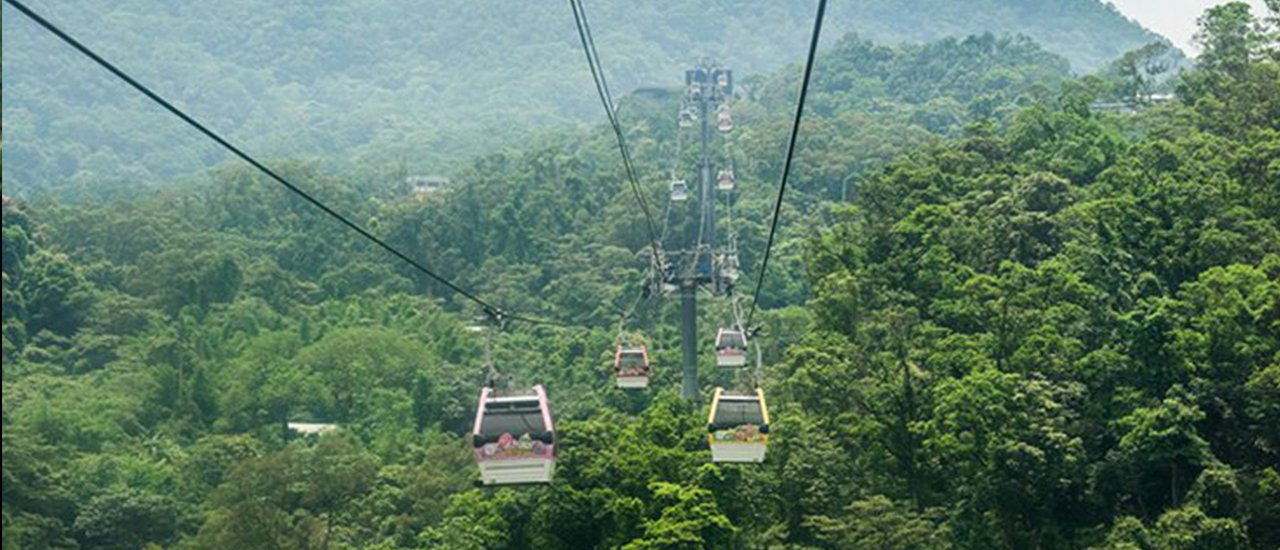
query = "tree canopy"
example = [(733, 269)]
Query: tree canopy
[(1000, 317)]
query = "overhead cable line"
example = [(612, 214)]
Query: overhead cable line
[(606, 99), (489, 309), (791, 149)]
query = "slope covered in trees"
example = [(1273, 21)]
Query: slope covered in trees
[(1030, 325), (416, 86)]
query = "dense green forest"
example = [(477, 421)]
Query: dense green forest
[(416, 86), (996, 318)]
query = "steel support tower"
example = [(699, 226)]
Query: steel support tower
[(709, 86)]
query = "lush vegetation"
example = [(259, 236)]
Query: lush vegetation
[(414, 87), (1028, 325)]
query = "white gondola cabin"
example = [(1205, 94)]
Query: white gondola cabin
[(729, 271), (631, 366), (731, 348), (724, 120), (725, 180), (679, 191), (738, 426), (686, 118), (513, 437)]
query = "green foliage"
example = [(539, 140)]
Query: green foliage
[(1128, 533), (427, 86), (1138, 74), (1058, 324), (127, 519), (1160, 450), (55, 294), (175, 279), (689, 520), (474, 522), (287, 499), (1023, 323), (1217, 493), (38, 508), (1188, 528), (878, 522), (1264, 406), (1228, 37)]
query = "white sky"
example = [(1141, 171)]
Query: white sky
[(1175, 19)]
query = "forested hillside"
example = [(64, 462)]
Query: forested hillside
[(416, 86), (996, 318)]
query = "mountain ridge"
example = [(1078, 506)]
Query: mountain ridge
[(424, 87)]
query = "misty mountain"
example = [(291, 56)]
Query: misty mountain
[(418, 86)]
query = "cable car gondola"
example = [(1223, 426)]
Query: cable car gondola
[(724, 120), (725, 180), (728, 270), (704, 263), (731, 348), (687, 118), (513, 437), (679, 191), (631, 366), (738, 426)]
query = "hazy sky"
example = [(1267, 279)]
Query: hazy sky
[(1175, 19)]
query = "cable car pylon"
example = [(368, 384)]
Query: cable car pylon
[(708, 88)]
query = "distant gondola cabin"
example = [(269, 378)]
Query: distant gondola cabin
[(725, 180), (679, 191), (687, 118), (731, 348), (631, 366), (724, 120)]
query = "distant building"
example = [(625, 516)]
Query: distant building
[(1139, 102), (422, 186), (312, 428), (1112, 107)]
